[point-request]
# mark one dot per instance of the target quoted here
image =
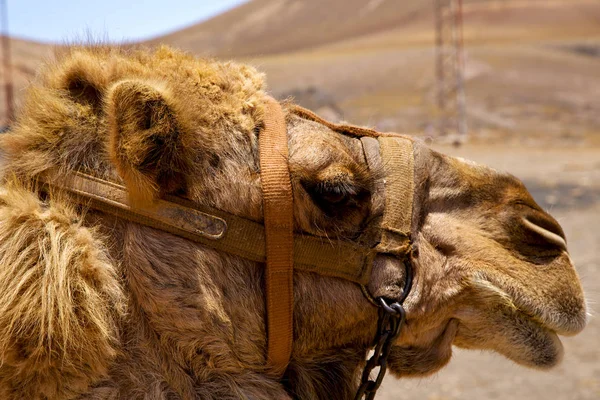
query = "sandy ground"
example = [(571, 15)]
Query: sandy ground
[(565, 181)]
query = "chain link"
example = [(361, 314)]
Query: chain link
[(389, 324), (391, 318)]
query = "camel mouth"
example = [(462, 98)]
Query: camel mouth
[(531, 340), (525, 342), (553, 321), (549, 318)]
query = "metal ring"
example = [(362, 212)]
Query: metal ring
[(368, 295), (398, 307), (408, 281), (385, 306)]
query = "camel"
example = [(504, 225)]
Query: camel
[(93, 306)]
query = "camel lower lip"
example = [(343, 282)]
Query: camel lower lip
[(563, 328), (553, 321), (522, 340)]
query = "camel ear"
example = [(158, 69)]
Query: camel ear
[(84, 80), (146, 140)]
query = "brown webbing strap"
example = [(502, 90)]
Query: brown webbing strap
[(217, 229), (398, 163), (278, 209), (164, 215)]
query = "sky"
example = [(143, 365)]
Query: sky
[(61, 21)]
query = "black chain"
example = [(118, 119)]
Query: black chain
[(391, 319)]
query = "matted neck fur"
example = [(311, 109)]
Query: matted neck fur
[(94, 307)]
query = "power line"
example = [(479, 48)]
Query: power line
[(450, 91)]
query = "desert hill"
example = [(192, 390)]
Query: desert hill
[(262, 27), (532, 66)]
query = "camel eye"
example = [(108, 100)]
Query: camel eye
[(339, 191), (331, 196), (335, 194)]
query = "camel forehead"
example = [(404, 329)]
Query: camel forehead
[(305, 137)]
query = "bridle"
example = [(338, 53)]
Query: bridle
[(274, 241)]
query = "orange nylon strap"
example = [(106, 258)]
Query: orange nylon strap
[(278, 209)]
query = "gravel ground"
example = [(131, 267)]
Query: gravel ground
[(567, 183)]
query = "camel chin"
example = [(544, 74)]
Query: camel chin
[(427, 358)]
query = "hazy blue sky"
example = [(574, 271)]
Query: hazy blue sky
[(117, 20)]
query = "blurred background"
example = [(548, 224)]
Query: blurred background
[(514, 84)]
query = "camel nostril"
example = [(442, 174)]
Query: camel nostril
[(553, 236)]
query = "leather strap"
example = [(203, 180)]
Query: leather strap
[(278, 209), (346, 129), (214, 228), (397, 159)]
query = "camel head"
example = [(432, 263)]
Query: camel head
[(491, 268)]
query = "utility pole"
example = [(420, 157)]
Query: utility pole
[(8, 82), (449, 53)]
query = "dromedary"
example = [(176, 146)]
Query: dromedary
[(93, 306)]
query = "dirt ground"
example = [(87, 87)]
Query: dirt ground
[(566, 182)]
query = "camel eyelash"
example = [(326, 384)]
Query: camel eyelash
[(334, 195), (336, 188)]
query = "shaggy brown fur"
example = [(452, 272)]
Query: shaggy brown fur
[(93, 307), (52, 265)]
